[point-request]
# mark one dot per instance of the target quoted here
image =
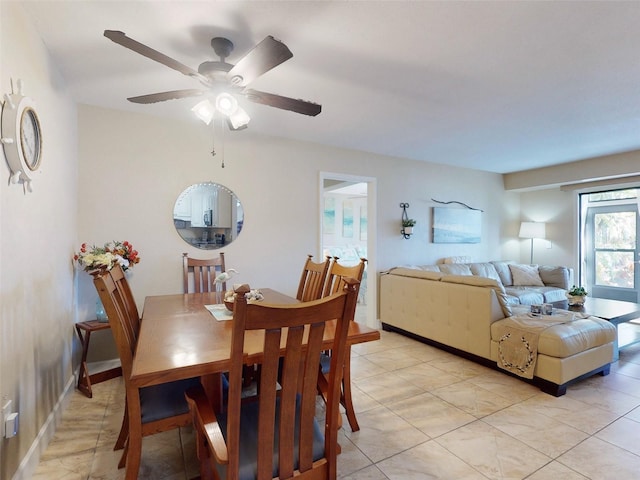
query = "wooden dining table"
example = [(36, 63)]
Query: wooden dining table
[(179, 338)]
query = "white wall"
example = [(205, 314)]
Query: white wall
[(133, 167), (37, 237), (558, 209)]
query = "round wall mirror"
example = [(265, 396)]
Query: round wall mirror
[(208, 216)]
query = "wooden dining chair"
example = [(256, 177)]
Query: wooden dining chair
[(149, 410), (276, 434), (129, 302), (204, 273), (312, 281), (335, 282), (132, 324)]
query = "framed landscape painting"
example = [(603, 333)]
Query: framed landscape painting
[(456, 225), (329, 216), (347, 219)]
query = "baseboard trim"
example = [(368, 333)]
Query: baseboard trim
[(30, 462)]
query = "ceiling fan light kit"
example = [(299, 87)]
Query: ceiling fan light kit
[(223, 80), (204, 111), (226, 104)]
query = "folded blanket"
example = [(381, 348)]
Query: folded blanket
[(518, 339)]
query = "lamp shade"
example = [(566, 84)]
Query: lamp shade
[(532, 230)]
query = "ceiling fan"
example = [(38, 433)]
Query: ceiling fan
[(223, 81)]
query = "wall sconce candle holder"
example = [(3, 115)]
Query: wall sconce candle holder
[(407, 223)]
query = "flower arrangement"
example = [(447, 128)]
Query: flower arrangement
[(104, 258)]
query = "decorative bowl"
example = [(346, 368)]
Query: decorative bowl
[(229, 304)]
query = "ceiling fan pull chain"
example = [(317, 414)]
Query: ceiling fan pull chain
[(222, 139), (213, 139)]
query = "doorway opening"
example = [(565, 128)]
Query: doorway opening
[(347, 230)]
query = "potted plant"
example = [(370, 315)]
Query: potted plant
[(576, 295), (407, 225)]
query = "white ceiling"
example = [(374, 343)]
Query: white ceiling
[(497, 86)]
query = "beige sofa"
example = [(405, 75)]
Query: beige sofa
[(462, 313), (523, 284)]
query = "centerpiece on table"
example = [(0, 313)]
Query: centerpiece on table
[(576, 295)]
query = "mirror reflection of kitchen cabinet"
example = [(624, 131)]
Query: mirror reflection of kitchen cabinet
[(224, 210), (182, 210), (208, 216)]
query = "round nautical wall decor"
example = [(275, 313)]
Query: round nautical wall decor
[(21, 136)]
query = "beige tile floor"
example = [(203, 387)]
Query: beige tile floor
[(423, 413)]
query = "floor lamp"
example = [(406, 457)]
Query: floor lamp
[(532, 230)]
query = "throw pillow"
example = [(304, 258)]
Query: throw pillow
[(526, 275), (458, 259), (485, 270), (456, 269)]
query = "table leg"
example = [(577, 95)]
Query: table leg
[(212, 385)]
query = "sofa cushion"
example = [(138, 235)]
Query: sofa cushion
[(554, 276), (485, 270), (512, 300), (456, 269), (550, 294), (430, 268), (525, 296), (526, 275), (566, 339), (483, 282), (504, 272)]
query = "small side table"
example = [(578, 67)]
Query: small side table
[(84, 379)]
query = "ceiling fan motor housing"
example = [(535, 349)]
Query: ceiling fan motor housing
[(222, 46)]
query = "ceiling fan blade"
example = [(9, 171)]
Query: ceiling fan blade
[(285, 103), (164, 96), (121, 39), (269, 53)]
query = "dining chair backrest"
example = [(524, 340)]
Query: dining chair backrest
[(149, 410), (115, 305), (312, 281), (280, 422), (132, 316), (338, 273), (204, 273)]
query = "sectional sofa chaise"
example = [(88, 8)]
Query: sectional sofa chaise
[(482, 311)]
